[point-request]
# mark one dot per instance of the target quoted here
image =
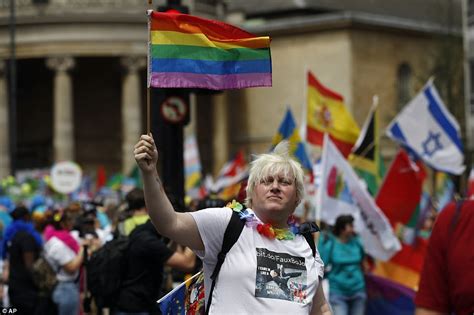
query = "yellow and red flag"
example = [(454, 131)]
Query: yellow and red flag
[(326, 113)]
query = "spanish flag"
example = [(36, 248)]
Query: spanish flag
[(326, 113)]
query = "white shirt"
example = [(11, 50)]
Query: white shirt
[(59, 254), (259, 275)]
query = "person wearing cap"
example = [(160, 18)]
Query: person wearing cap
[(22, 246), (270, 237)]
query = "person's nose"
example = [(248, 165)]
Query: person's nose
[(275, 185)]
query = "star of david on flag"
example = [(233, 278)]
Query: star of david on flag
[(427, 128)]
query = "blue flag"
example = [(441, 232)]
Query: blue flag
[(427, 128), (186, 299), (288, 131)]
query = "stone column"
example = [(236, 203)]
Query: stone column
[(131, 109), (220, 144), (63, 142), (191, 128), (4, 125)]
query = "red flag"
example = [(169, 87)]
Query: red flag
[(398, 197), (101, 177), (401, 189)]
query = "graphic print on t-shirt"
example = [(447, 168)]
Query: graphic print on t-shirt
[(280, 276)]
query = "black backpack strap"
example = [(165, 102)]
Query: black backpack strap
[(307, 229), (309, 238), (231, 235)]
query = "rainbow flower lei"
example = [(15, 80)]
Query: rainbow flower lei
[(265, 229)]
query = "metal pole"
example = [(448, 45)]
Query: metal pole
[(12, 88), (467, 88)]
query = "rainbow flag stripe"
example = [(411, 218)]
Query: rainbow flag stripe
[(186, 51)]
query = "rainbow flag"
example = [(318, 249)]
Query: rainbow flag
[(187, 51), (387, 297), (326, 113)]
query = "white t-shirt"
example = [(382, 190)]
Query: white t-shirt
[(259, 275), (59, 254)]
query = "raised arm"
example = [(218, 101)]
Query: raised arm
[(179, 227)]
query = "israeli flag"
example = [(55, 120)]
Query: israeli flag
[(427, 128)]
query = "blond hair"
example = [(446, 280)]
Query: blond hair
[(277, 162)]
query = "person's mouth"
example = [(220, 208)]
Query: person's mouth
[(273, 197)]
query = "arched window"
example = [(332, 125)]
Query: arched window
[(404, 85)]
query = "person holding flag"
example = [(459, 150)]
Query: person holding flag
[(269, 240)]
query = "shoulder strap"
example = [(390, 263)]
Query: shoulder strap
[(231, 235), (309, 238), (307, 229)]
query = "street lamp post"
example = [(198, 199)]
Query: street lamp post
[(12, 88)]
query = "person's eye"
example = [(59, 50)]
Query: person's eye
[(285, 182), (267, 181)]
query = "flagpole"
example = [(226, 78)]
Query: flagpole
[(148, 110), (148, 127)]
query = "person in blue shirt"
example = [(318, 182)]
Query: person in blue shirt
[(343, 256)]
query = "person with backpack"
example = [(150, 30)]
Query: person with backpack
[(22, 246), (446, 282), (344, 258), (142, 282), (65, 255), (237, 279), (136, 209)]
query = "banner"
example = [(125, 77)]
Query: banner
[(342, 192)]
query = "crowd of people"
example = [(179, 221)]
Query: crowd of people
[(67, 238), (271, 265)]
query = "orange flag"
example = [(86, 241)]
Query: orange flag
[(326, 112)]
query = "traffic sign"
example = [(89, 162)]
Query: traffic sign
[(174, 109)]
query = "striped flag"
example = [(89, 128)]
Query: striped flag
[(427, 127), (186, 51), (366, 157), (192, 169), (326, 113), (288, 131), (388, 297)]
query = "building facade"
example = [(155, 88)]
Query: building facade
[(81, 73), (80, 69), (357, 48)]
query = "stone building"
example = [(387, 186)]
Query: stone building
[(81, 80), (358, 48), (81, 72)]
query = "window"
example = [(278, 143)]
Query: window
[(404, 85)]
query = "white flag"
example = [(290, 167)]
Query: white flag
[(342, 192), (192, 168), (427, 128)]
